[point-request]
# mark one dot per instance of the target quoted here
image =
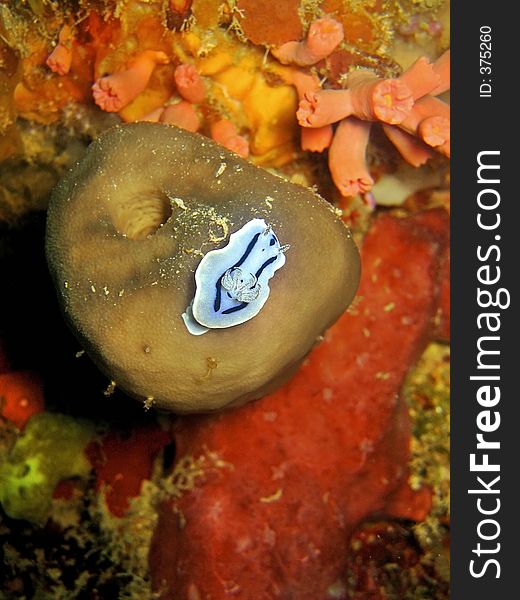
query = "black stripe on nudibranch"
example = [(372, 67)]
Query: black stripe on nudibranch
[(216, 304), (267, 263), (235, 308), (248, 251)]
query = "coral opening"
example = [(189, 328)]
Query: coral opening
[(142, 215)]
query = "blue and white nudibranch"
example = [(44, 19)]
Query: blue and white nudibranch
[(232, 283)]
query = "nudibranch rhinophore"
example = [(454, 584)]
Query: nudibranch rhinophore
[(160, 235)]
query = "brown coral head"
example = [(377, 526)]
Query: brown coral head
[(127, 230)]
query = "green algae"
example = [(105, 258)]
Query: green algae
[(428, 395), (50, 450)]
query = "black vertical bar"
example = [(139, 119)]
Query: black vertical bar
[(485, 124)]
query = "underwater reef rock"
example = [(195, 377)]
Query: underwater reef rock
[(292, 475)]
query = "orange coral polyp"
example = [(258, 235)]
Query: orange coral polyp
[(183, 115), (414, 152), (225, 133), (367, 98), (60, 59), (324, 36), (347, 162), (323, 107), (435, 130), (316, 139), (421, 78), (190, 84), (114, 92), (303, 82), (391, 101)]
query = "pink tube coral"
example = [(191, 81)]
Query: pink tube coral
[(430, 120), (347, 162), (60, 58), (414, 152), (386, 100), (189, 83), (370, 98), (413, 120), (367, 97), (323, 37), (315, 139), (421, 78), (113, 92), (435, 131), (225, 133), (182, 115)]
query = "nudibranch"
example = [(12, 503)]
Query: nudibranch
[(159, 234), (232, 283)]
